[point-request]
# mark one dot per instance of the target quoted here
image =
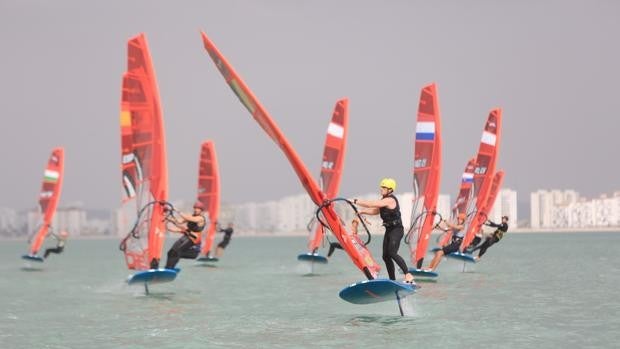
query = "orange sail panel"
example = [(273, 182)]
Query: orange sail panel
[(49, 196), (483, 173), (464, 196), (333, 160), (356, 251), (209, 190), (498, 179), (144, 169), (426, 172)]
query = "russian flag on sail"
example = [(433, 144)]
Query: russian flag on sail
[(335, 130), (488, 138), (468, 177), (425, 131)]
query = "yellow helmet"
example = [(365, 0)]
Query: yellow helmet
[(389, 183)]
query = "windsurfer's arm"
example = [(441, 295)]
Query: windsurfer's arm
[(385, 202), (174, 229), (454, 226), (369, 211), (191, 218), (492, 224)]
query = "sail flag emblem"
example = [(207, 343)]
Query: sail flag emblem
[(335, 130), (488, 138), (51, 176), (425, 131), (468, 177)]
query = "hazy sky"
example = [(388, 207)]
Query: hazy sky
[(551, 65)]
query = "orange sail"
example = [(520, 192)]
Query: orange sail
[(483, 174), (464, 196), (358, 253), (498, 179), (49, 196), (144, 169), (333, 160), (426, 172), (209, 190)]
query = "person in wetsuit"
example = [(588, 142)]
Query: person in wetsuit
[(219, 251), (388, 208), (457, 237), (497, 235), (191, 226), (60, 245), (336, 245)]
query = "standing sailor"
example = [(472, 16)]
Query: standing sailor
[(191, 226), (457, 237), (497, 235), (389, 210), (222, 245)]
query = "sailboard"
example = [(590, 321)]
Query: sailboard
[(48, 202), (358, 253), (481, 183), (483, 173), (332, 165), (426, 178), (144, 168), (209, 196), (377, 290)]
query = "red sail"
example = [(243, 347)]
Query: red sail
[(354, 248), (144, 170), (483, 173), (49, 196), (426, 172), (209, 190), (333, 160), (465, 194), (498, 179)]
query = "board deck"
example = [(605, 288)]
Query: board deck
[(465, 257), (423, 273), (207, 259), (153, 276), (34, 258), (375, 291), (312, 257)]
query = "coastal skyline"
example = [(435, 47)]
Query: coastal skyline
[(63, 62)]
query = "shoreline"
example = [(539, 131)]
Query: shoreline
[(305, 234)]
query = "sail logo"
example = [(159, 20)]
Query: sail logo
[(51, 176), (328, 165), (468, 177), (335, 130), (425, 131), (418, 163), (488, 138), (480, 170), (46, 194)]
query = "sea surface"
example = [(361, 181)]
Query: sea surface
[(530, 291)]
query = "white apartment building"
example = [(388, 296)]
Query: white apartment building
[(565, 209), (505, 205)]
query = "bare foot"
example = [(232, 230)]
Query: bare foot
[(409, 278)]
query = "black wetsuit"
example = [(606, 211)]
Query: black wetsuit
[(394, 232), (185, 247), (227, 233), (332, 247), (58, 249), (498, 234), (455, 243)]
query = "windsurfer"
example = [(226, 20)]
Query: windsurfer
[(222, 245), (389, 210), (336, 245), (497, 235), (60, 245), (191, 226), (455, 243)]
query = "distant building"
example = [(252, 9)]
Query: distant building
[(505, 205), (565, 209)]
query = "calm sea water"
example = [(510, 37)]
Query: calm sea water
[(531, 290)]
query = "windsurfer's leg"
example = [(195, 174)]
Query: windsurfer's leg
[(332, 248), (190, 251), (52, 250), (487, 243), (174, 253), (387, 259)]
